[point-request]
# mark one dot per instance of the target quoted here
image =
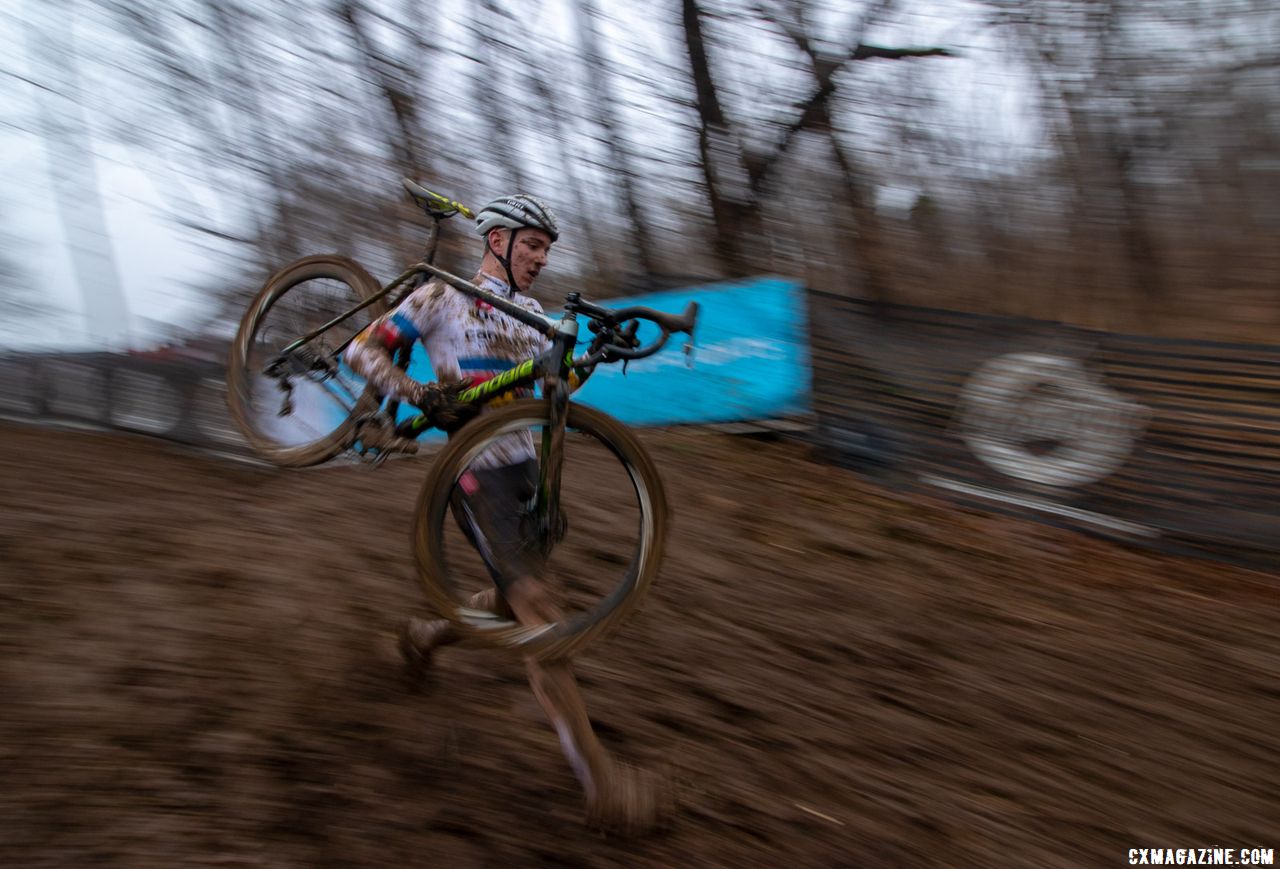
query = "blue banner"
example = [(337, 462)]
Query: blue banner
[(750, 359)]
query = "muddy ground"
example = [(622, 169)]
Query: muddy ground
[(194, 671)]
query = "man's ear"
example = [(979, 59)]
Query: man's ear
[(497, 240)]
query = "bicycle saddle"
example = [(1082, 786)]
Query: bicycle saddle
[(435, 204)]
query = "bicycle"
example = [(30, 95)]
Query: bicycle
[(305, 372)]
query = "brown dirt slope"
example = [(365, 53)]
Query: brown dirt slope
[(194, 672)]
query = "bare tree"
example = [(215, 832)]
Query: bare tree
[(600, 74), (496, 95), (1092, 62), (732, 206), (396, 81), (253, 142), (736, 178), (560, 136), (75, 178)]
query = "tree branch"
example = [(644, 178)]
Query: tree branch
[(389, 78), (875, 52), (813, 112)]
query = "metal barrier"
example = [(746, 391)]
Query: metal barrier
[(1169, 442), (176, 399), (1175, 443)]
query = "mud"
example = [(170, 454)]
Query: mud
[(195, 671)]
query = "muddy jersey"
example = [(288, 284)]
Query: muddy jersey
[(465, 339)]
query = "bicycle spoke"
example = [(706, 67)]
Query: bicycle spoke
[(596, 564), (293, 398)]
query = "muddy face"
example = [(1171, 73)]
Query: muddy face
[(529, 257)]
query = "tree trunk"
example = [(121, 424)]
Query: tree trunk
[(74, 177), (497, 101), (605, 99), (567, 160), (395, 82), (279, 240), (732, 211)]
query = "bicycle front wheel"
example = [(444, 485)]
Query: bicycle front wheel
[(295, 401), (598, 563)]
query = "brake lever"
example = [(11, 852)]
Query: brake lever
[(628, 334)]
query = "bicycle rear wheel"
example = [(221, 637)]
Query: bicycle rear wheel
[(298, 406), (600, 563)]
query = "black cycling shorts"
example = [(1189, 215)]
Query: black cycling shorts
[(494, 509)]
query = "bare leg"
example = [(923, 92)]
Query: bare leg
[(553, 683), (615, 797)]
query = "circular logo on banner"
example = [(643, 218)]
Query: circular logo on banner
[(1044, 419)]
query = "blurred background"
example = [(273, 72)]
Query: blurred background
[(1005, 260), (1105, 163)]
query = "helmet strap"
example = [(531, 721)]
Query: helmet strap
[(505, 260)]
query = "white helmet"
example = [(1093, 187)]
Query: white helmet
[(518, 211)]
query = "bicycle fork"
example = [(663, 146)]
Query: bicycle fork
[(555, 389)]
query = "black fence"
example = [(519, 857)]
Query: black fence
[(1175, 443), (1168, 442), (179, 399)]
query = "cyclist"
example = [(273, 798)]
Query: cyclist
[(468, 342)]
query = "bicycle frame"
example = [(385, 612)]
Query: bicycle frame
[(553, 368)]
